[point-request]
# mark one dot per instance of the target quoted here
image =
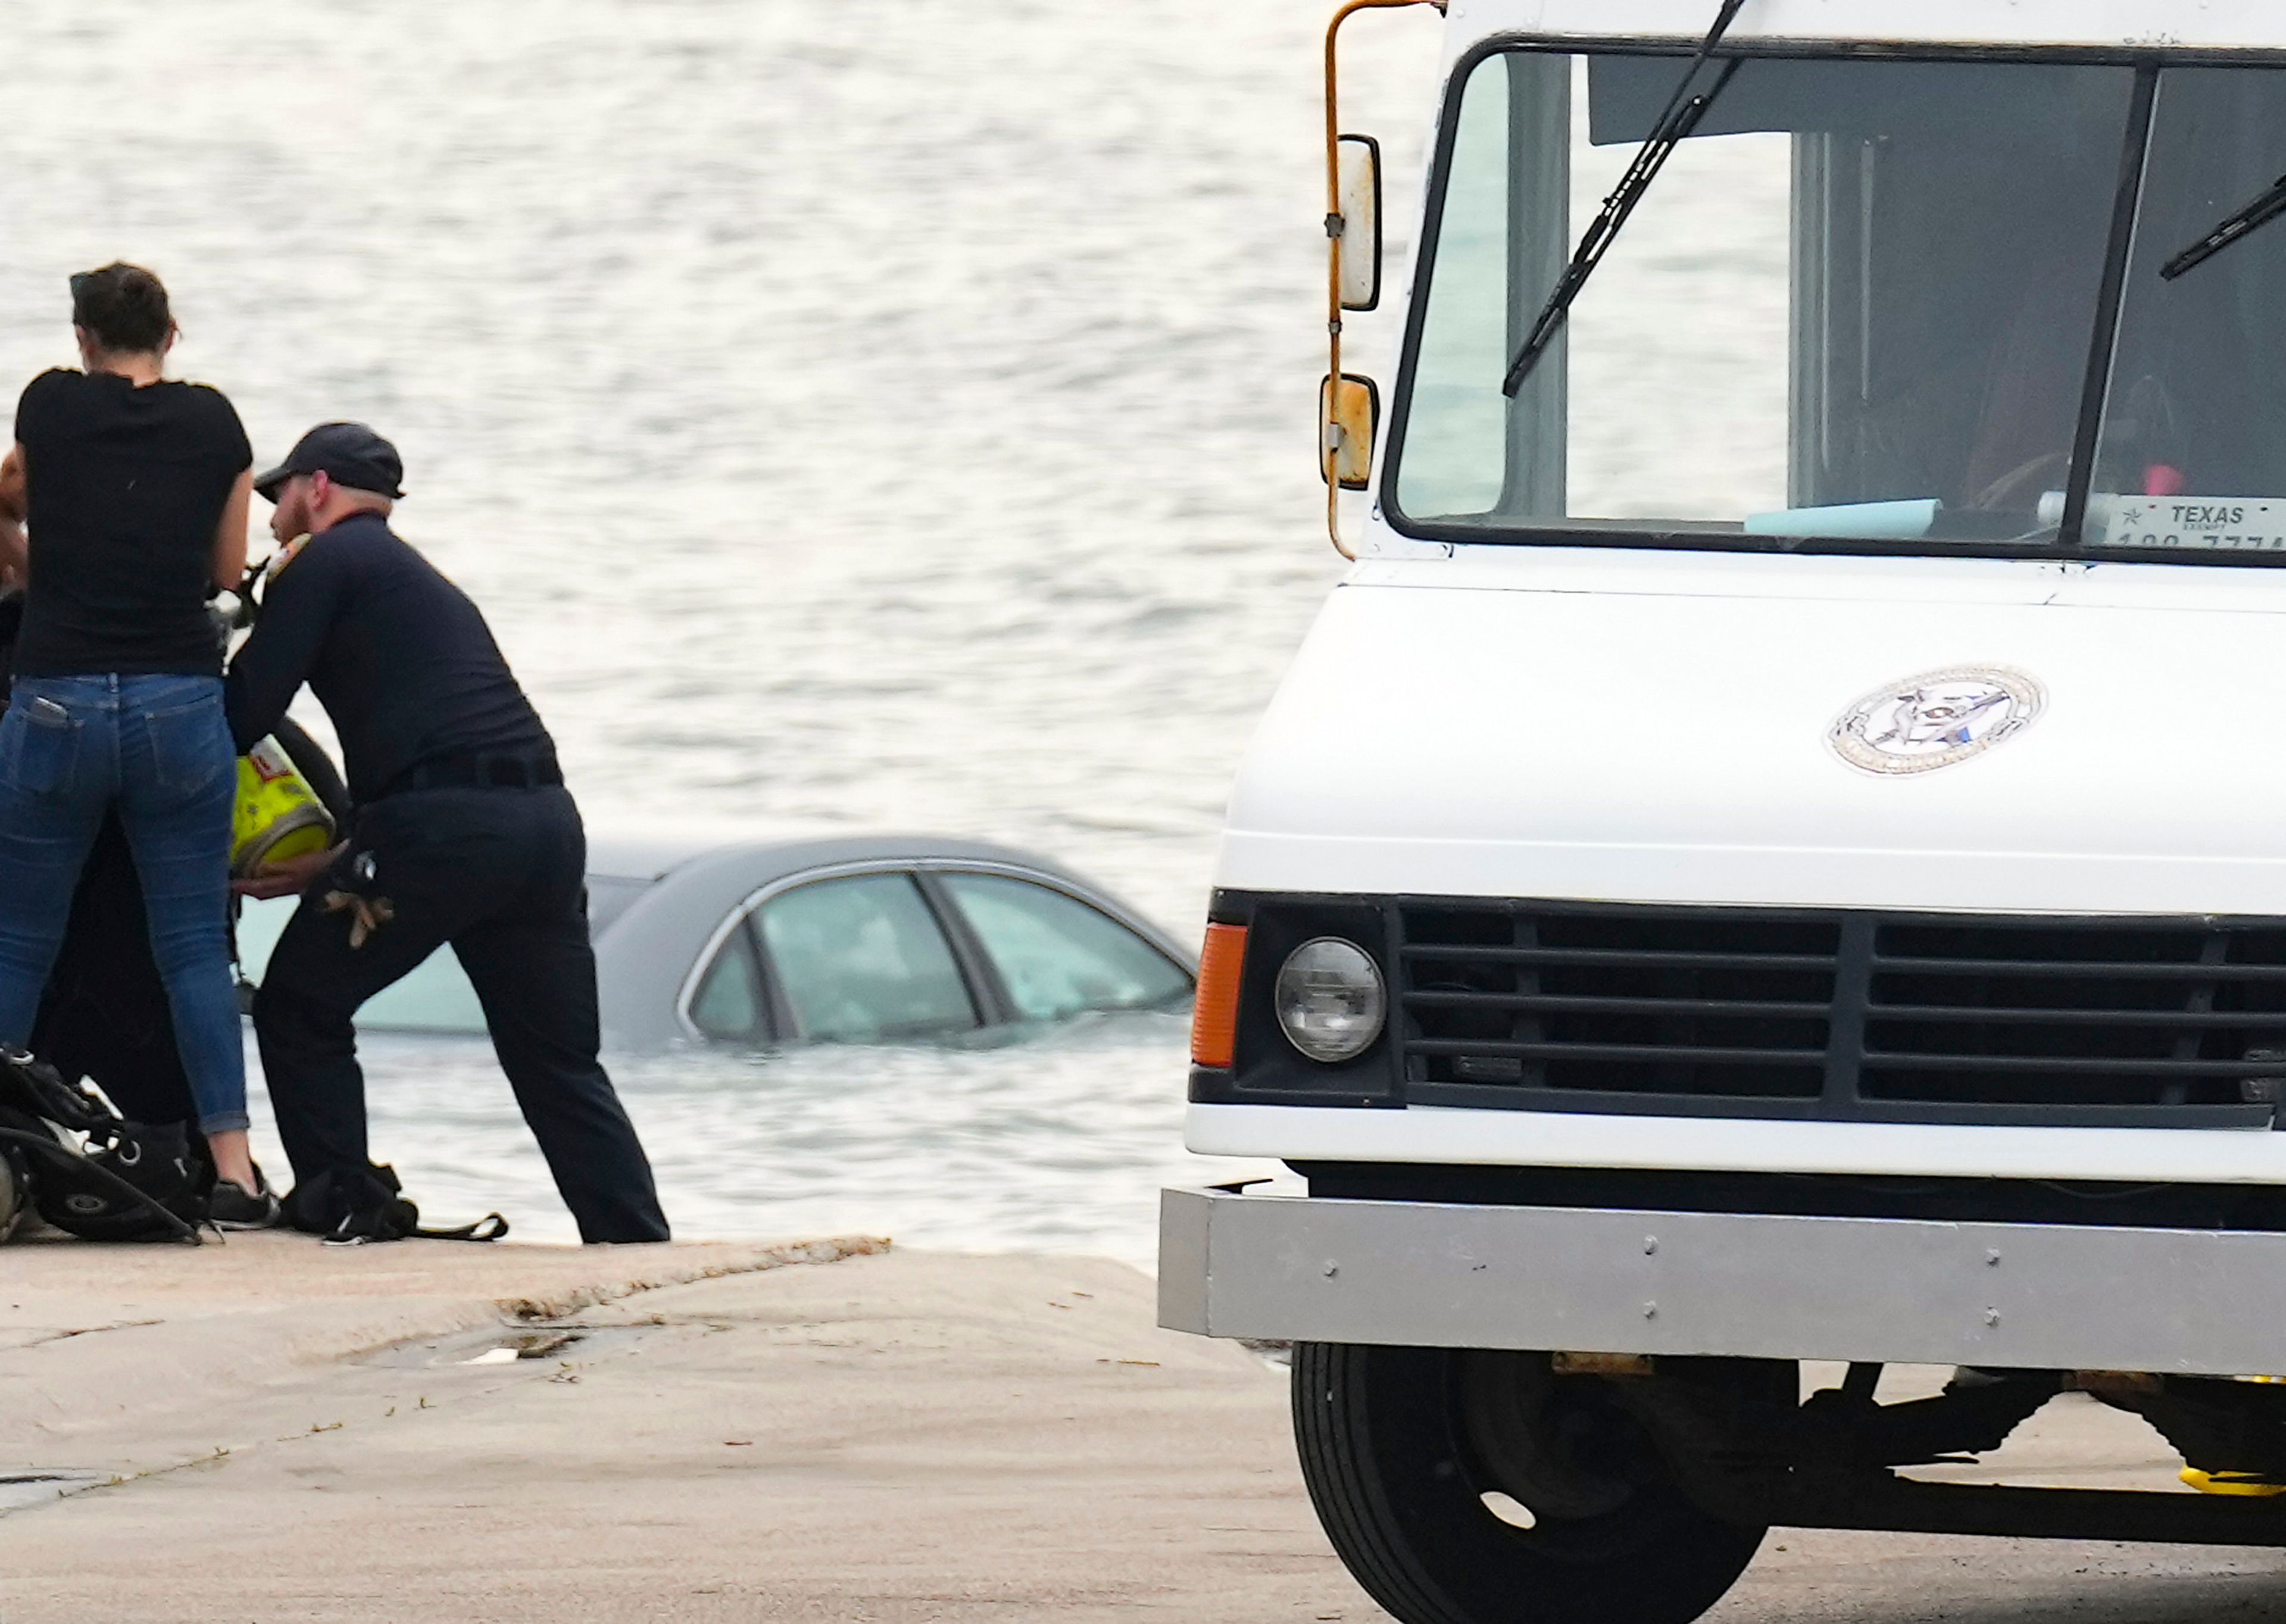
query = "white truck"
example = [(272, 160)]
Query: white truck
[(1776, 851)]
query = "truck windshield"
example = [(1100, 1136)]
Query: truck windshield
[(1861, 309)]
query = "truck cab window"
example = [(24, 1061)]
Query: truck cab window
[(2193, 447), (1859, 282)]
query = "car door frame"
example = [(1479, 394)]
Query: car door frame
[(1149, 934), (988, 995), (777, 1013)]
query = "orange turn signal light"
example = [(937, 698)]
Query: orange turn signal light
[(1214, 1018)]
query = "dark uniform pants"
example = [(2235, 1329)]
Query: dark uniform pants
[(500, 874)]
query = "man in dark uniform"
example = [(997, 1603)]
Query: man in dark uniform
[(463, 834)]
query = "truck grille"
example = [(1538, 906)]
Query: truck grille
[(1882, 1016)]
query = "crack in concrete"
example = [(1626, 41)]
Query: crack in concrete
[(832, 1251), (85, 1331)]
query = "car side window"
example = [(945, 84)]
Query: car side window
[(862, 960), (729, 1004), (1057, 955)]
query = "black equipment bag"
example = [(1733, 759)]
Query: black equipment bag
[(15, 1189), (90, 1172), (351, 1207)]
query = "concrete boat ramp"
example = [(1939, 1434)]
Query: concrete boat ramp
[(273, 1430)]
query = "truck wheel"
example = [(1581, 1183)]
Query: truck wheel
[(1401, 1448)]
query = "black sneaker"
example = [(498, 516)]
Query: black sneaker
[(231, 1205)]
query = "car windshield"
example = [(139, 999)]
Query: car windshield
[(1859, 311), (435, 997)]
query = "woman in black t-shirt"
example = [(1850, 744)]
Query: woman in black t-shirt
[(134, 491)]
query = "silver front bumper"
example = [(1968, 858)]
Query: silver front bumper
[(2028, 1296)]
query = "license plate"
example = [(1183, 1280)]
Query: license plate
[(2225, 524)]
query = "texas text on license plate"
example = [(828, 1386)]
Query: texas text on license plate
[(2228, 523)]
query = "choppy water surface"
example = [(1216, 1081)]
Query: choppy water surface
[(894, 413)]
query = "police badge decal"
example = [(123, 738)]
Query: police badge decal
[(1936, 719)]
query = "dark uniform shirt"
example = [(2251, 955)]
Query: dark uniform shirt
[(127, 487), (398, 655)]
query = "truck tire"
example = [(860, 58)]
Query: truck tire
[(1401, 1446)]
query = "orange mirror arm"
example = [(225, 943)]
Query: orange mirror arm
[(1333, 240)]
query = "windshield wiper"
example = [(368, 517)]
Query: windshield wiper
[(1684, 111), (2247, 221)]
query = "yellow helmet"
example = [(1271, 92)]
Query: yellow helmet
[(278, 814)]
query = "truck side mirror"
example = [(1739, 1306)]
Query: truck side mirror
[(1350, 413), (1358, 226)]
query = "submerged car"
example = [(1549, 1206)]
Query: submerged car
[(870, 939)]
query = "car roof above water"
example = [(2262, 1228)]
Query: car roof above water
[(694, 886), (763, 858)]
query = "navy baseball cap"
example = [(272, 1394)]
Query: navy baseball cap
[(349, 453)]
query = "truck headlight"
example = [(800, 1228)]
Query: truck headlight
[(1331, 1003)]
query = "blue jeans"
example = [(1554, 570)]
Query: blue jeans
[(159, 748)]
